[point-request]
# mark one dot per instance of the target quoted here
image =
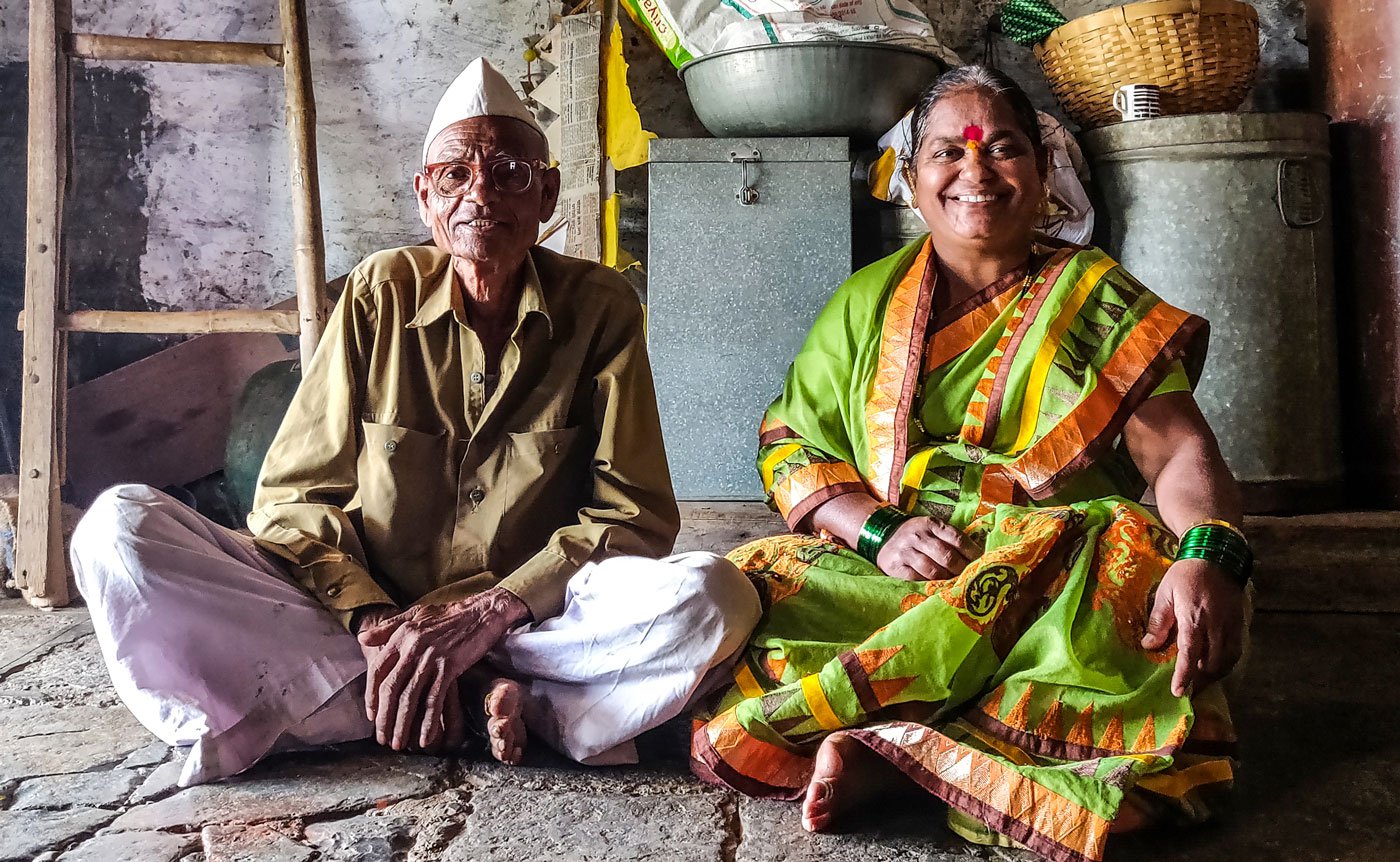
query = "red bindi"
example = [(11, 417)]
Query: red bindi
[(973, 133)]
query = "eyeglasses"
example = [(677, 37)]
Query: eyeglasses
[(508, 175)]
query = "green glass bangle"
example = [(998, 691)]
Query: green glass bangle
[(1220, 545), (1226, 550), (1230, 561), (1239, 571), (1212, 536), (877, 530)]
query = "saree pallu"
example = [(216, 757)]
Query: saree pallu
[(1021, 391), (1017, 692)]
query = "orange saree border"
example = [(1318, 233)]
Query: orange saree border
[(1007, 801), (1069, 737), (771, 430), (957, 329), (897, 372), (807, 487), (1129, 375), (1000, 367), (723, 750)]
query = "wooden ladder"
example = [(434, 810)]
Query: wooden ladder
[(40, 569)]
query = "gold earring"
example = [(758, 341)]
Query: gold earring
[(909, 181)]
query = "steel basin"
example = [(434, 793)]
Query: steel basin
[(812, 89)]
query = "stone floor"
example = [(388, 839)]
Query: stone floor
[(80, 780)]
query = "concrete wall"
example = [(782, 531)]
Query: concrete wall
[(1356, 64), (179, 200), (213, 154)]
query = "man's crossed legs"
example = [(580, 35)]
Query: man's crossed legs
[(210, 644)]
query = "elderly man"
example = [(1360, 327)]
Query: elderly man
[(470, 478)]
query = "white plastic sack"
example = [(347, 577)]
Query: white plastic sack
[(687, 29)]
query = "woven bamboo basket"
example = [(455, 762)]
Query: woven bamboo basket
[(1202, 53)]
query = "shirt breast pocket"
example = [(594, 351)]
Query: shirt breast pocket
[(402, 473), (547, 471)]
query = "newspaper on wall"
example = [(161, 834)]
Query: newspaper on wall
[(579, 153)]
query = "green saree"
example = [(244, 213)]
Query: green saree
[(1017, 692)]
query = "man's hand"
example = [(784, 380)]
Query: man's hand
[(370, 615), (925, 549), (447, 735), (415, 659), (1206, 610), (364, 619)]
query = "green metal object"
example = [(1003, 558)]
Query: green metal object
[(261, 406)]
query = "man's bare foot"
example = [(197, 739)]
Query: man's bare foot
[(505, 727), (846, 775), (496, 707)]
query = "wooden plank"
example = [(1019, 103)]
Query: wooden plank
[(308, 241), (722, 527), (1341, 562), (177, 322), (94, 46), (39, 568), (163, 420), (67, 518)]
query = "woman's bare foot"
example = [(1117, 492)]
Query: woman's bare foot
[(496, 706), (846, 775)]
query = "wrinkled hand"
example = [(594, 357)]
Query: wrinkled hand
[(444, 736), (925, 549), (1206, 610), (415, 659)]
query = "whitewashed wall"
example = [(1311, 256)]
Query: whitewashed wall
[(215, 157)]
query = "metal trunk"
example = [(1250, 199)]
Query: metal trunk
[(1229, 216), (748, 238)]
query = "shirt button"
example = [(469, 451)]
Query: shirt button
[(391, 445), (477, 495), (478, 377)]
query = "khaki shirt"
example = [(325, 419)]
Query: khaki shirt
[(398, 475)]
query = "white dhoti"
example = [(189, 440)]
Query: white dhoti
[(211, 645)]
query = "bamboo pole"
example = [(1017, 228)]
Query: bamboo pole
[(177, 322), (607, 179), (39, 566), (94, 46), (308, 243)]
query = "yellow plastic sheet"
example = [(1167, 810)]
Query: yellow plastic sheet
[(610, 213), (625, 138), (614, 255)]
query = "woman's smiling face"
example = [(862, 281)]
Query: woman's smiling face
[(986, 195)]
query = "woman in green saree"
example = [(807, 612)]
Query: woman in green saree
[(971, 597)]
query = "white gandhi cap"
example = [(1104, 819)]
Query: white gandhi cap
[(480, 91)]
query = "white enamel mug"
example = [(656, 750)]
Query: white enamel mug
[(1138, 101)]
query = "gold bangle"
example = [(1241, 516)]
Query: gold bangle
[(1217, 523)]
